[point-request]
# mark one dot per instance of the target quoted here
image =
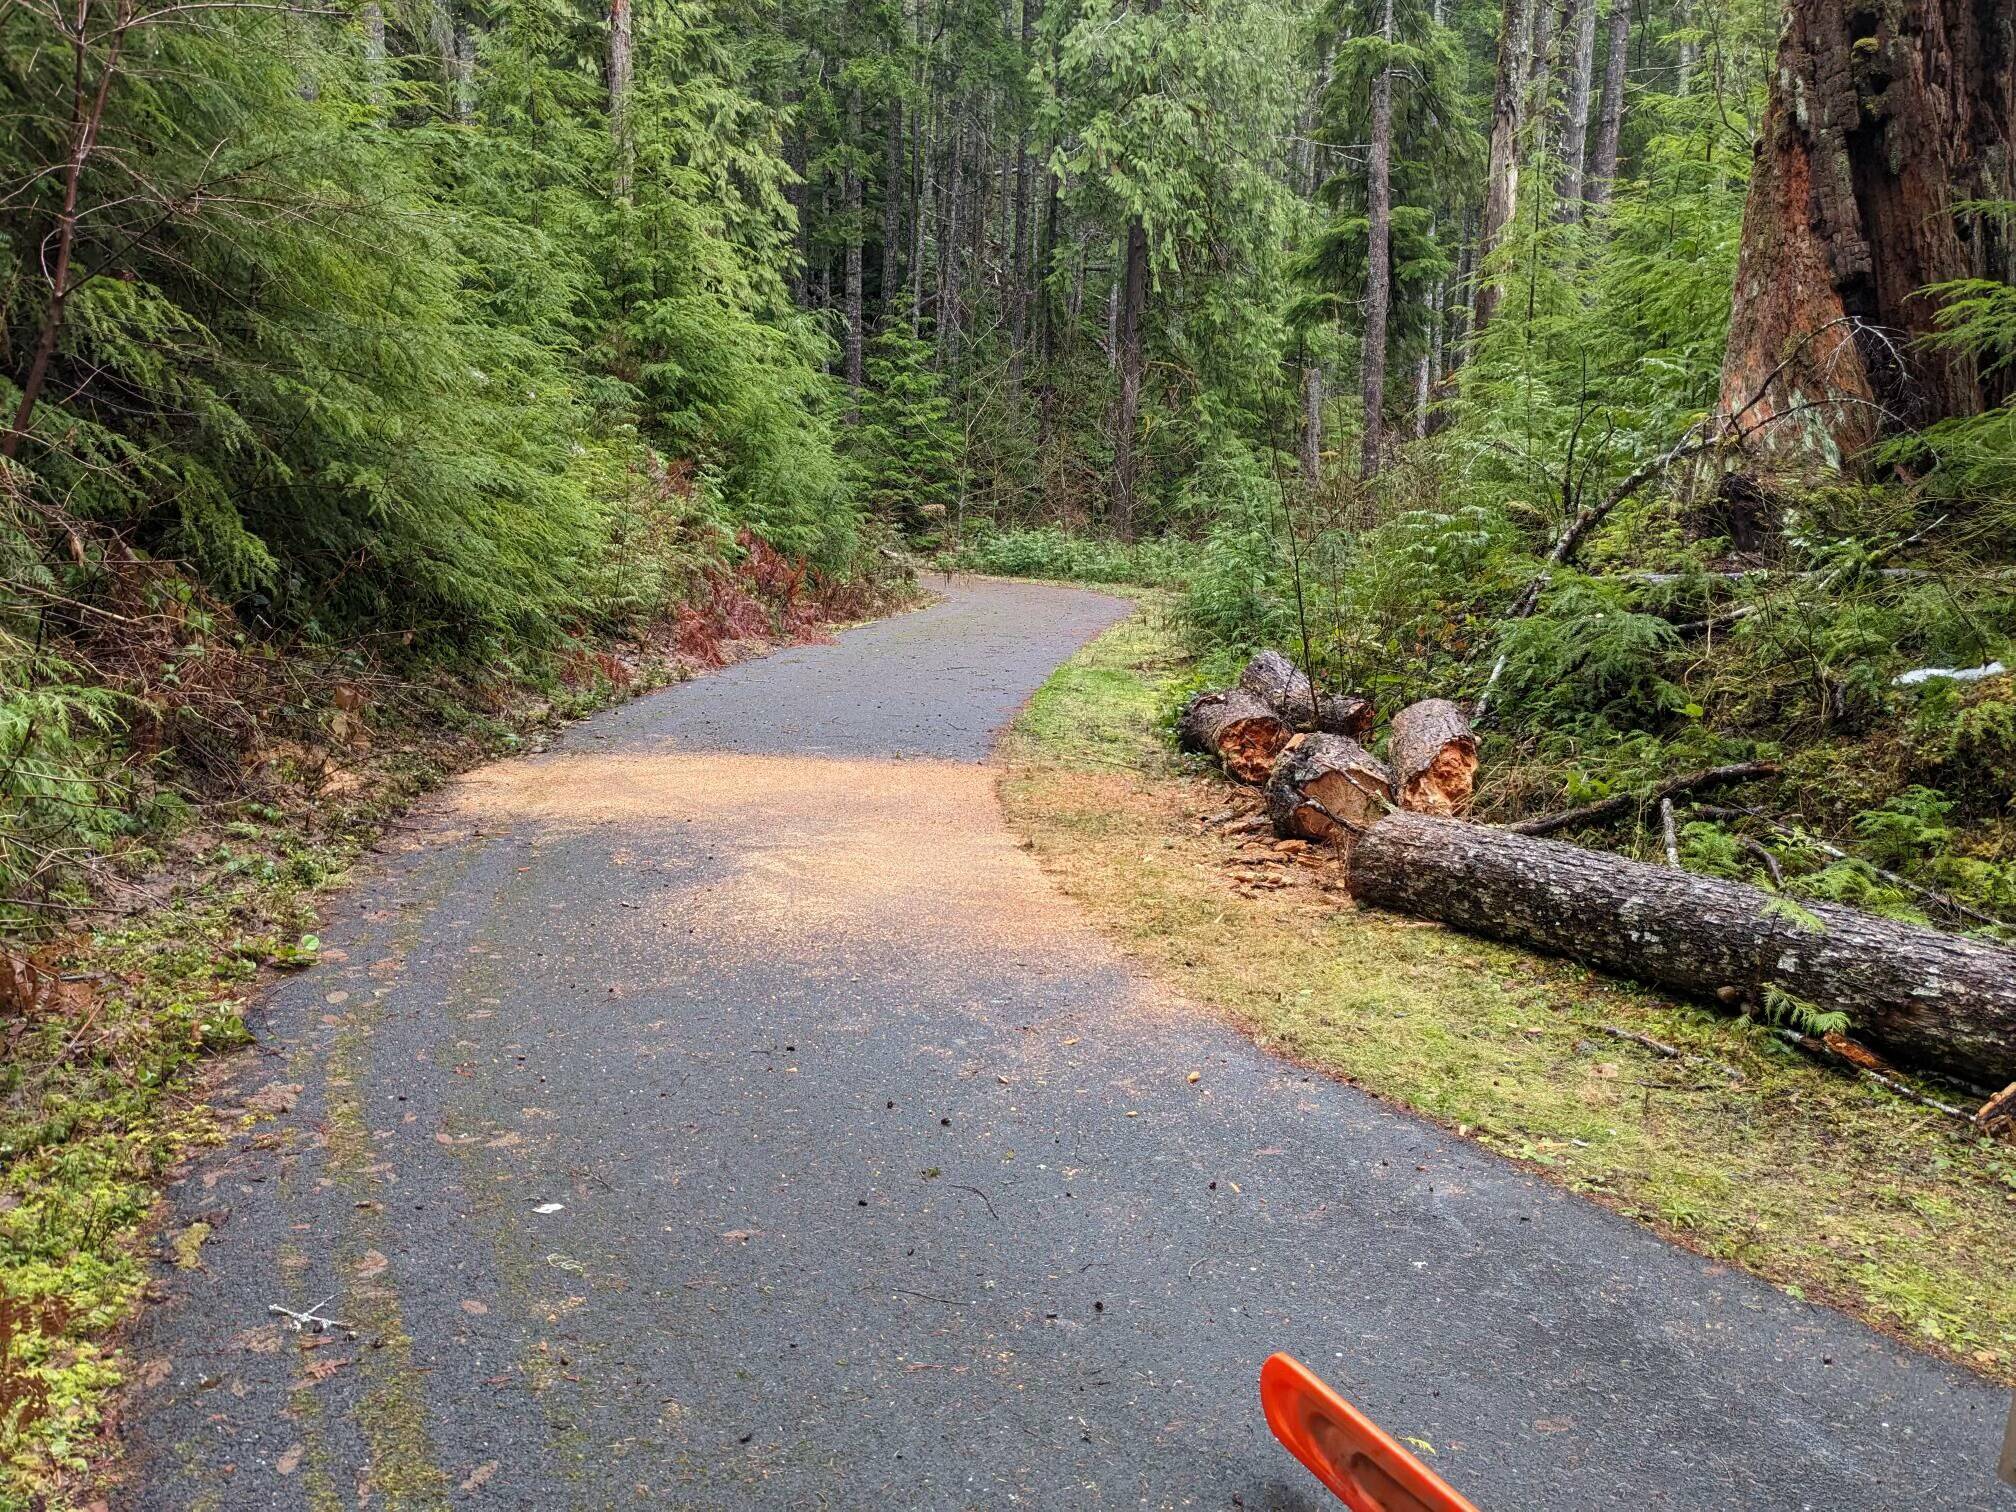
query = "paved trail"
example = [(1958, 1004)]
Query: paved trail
[(721, 1111)]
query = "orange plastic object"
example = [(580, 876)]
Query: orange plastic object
[(1345, 1449)]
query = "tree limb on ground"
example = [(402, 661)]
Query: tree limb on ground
[(1610, 808)]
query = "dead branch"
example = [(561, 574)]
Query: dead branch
[(1610, 808)]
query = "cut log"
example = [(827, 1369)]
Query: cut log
[(1927, 999), (1239, 729), (1434, 757), (1327, 787), (1283, 687)]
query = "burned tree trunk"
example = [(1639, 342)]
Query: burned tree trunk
[(1884, 121), (1434, 756), (1935, 1000), (1239, 729), (1283, 687), (1327, 787)]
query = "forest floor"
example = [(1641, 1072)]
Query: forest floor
[(1745, 1151)]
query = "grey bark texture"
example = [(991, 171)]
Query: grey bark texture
[(1378, 265), (1929, 999), (1501, 180), (1610, 124)]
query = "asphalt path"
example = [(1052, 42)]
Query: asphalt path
[(721, 1110)]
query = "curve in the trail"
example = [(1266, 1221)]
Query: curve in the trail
[(722, 1111)]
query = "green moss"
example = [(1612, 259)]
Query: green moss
[(1746, 1151)]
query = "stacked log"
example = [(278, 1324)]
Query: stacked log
[(1283, 687), (1938, 1001), (1434, 757), (1240, 729), (1327, 787)]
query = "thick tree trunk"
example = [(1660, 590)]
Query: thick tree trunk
[(1501, 183), (375, 70), (1934, 1000), (1127, 411), (1883, 118), (1327, 787), (945, 349), (1378, 263), (1284, 688), (1580, 50), (1610, 124), (1434, 756), (1236, 727), (921, 207)]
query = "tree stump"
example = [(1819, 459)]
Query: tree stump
[(1327, 787), (1434, 756), (1239, 729)]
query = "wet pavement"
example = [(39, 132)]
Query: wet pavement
[(721, 1110)]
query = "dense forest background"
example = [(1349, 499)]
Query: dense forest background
[(1396, 333)]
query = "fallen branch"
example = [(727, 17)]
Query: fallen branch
[(1670, 1052), (1610, 808), (1815, 1046), (1669, 832), (1828, 848)]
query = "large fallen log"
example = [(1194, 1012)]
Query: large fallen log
[(1434, 757), (1239, 729), (1285, 688), (1327, 787), (1928, 999)]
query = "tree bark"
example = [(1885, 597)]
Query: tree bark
[(1882, 120), (1131, 358), (850, 207), (1237, 728), (1327, 787), (1434, 757), (1378, 261), (1312, 425), (1610, 125), (1501, 183), (619, 96), (892, 209), (1580, 50), (1935, 1000), (1284, 688)]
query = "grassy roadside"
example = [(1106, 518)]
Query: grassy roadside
[(102, 1083), (1749, 1153)]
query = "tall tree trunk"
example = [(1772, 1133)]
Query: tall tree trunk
[(464, 80), (948, 244), (1610, 126), (1501, 184), (921, 208), (1689, 50), (1127, 411), (1580, 51), (375, 70), (1022, 256), (892, 209), (1882, 120), (1378, 261), (1312, 424), (619, 95), (1540, 68), (850, 202)]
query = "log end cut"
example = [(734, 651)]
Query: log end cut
[(1327, 788), (1434, 756), (1239, 729)]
